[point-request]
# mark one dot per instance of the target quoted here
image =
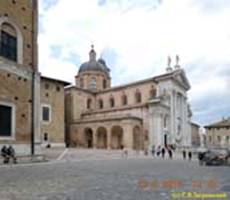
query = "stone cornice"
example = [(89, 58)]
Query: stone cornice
[(90, 112), (15, 68), (113, 118)]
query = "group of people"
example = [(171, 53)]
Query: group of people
[(184, 153), (7, 154), (162, 151)]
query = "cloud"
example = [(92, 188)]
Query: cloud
[(212, 6), (135, 37)]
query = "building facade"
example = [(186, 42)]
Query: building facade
[(52, 112), (196, 135), (218, 134), (137, 115), (19, 77), (31, 106)]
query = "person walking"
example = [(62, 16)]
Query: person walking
[(163, 152), (190, 155), (158, 150), (184, 154), (170, 153), (153, 151)]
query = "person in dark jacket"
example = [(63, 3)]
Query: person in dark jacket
[(153, 151), (184, 154), (190, 155), (11, 154), (163, 152), (170, 153), (4, 154)]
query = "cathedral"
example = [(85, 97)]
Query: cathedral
[(37, 110), (138, 115)]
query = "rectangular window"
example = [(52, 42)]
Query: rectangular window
[(46, 113), (8, 46), (5, 121)]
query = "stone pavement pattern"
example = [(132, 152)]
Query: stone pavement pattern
[(105, 179)]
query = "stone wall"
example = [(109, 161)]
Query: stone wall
[(52, 95), (16, 90), (21, 14), (78, 113), (218, 137)]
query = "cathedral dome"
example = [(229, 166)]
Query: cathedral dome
[(93, 64)]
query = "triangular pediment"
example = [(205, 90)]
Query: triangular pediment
[(180, 77)]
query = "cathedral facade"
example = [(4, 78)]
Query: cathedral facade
[(137, 115), (37, 110)]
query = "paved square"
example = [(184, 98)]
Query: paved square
[(117, 178)]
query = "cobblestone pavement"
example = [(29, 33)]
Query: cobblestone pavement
[(110, 179)]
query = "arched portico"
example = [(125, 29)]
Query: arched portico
[(116, 137), (101, 138)]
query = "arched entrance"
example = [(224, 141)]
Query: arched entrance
[(101, 138), (89, 138), (116, 137), (137, 138)]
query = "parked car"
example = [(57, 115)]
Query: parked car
[(214, 157)]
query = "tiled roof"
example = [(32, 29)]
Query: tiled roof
[(222, 123)]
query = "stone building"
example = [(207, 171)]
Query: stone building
[(19, 77), (196, 140), (52, 111), (30, 105), (136, 115), (218, 133)]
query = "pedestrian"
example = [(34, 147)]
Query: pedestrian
[(11, 154), (153, 151), (158, 150), (184, 154), (4, 154), (163, 152), (170, 153), (124, 151), (190, 155)]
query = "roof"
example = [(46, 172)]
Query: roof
[(65, 83), (175, 74), (195, 124), (155, 79), (93, 64), (128, 85), (220, 124)]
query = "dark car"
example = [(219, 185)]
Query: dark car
[(214, 157)]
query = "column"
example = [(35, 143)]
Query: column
[(94, 138), (37, 114), (108, 138), (127, 135), (172, 117)]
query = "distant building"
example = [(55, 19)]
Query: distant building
[(195, 134), (52, 111), (218, 133), (136, 115)]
